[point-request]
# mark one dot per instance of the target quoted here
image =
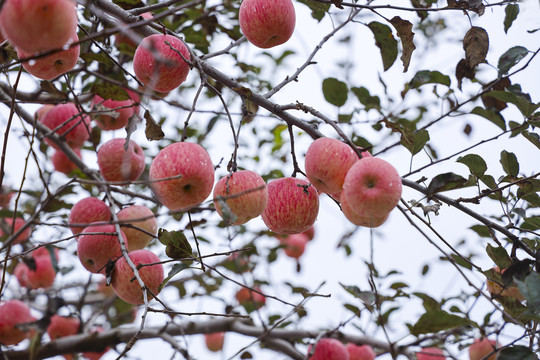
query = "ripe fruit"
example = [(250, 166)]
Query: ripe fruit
[(244, 207), (40, 113), (62, 163), (481, 348), (117, 164), (165, 70), (214, 341), (128, 288), (372, 188), (250, 299), (43, 275), (5, 196), (310, 233), (295, 244), (327, 162), (194, 170), (430, 353), (87, 211), (13, 312), (139, 235), (293, 206), (61, 326), (497, 290), (19, 223), (123, 110), (360, 352), (95, 250), (70, 124), (267, 23), (53, 65), (35, 26), (352, 216), (329, 349)]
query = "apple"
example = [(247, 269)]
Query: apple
[(123, 111), (12, 313), (61, 326), (360, 352), (497, 290), (87, 211), (66, 120), (157, 62), (117, 164), (5, 196), (245, 207), (214, 341), (122, 38), (372, 188), (127, 287), (352, 216), (96, 250), (21, 273), (40, 113), (267, 23), (295, 244), (481, 348), (35, 26), (327, 162), (250, 299), (43, 275), (62, 163), (329, 349), (310, 233), (141, 231), (430, 353), (93, 355), (19, 223), (194, 170), (293, 206), (51, 66)]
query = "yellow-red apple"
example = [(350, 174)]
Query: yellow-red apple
[(360, 352), (123, 110), (117, 164), (87, 211), (481, 348), (13, 313), (97, 245), (329, 349), (214, 341), (62, 163), (68, 123), (142, 225)]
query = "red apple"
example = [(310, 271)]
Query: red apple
[(250, 299), (295, 245), (40, 113), (61, 326), (19, 223), (360, 352), (329, 349), (481, 348), (12, 313), (41, 25), (42, 277), (352, 216), (293, 206), (497, 290), (96, 250), (310, 233), (214, 341), (372, 187), (327, 162), (67, 118), (157, 62), (194, 170), (51, 66), (87, 211), (21, 273), (123, 110), (267, 23), (244, 207), (62, 163), (92, 355), (122, 38), (117, 164), (5, 196), (127, 287), (430, 353), (139, 233)]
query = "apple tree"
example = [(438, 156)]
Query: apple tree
[(270, 179)]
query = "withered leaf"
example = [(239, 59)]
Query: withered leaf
[(464, 71), (476, 45), (153, 129), (497, 85), (405, 33)]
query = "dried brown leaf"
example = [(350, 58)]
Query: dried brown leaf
[(476, 45), (405, 33)]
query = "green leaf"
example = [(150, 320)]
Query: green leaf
[(429, 303), (524, 105), (174, 270), (481, 230), (534, 138), (429, 77), (177, 245), (516, 352), (512, 11), (365, 98), (415, 142), (509, 163), (499, 256), (335, 91), (493, 116), (530, 288), (531, 223), (461, 262), (444, 182), (367, 297), (386, 42), (475, 163), (434, 321), (510, 58), (318, 10)]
